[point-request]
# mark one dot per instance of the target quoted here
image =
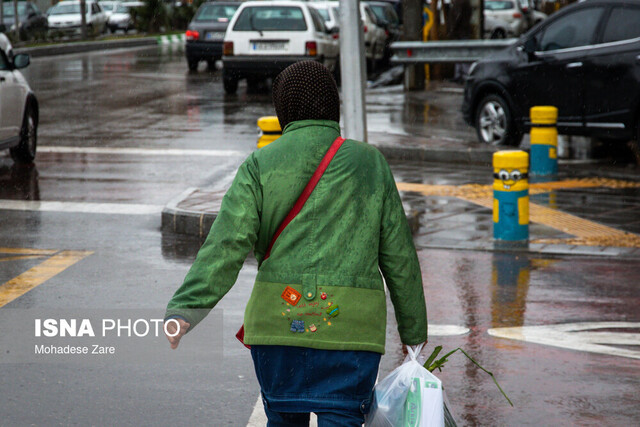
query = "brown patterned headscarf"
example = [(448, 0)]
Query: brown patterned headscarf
[(305, 91)]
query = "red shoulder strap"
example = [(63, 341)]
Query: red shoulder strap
[(297, 207)]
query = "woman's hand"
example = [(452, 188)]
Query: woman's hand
[(175, 333)]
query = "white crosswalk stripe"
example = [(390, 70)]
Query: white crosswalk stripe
[(140, 151), (81, 207)]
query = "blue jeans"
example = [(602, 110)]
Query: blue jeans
[(336, 385)]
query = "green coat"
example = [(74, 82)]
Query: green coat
[(321, 287)]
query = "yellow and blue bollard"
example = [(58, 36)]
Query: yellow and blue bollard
[(270, 130), (511, 195), (544, 141)]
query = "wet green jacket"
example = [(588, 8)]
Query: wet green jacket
[(321, 286)]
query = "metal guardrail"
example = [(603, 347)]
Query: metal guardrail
[(446, 51)]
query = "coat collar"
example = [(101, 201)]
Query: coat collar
[(299, 124)]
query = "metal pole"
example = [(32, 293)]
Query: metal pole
[(352, 70), (16, 20), (83, 19)]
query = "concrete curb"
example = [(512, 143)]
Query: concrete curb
[(79, 47), (182, 221)]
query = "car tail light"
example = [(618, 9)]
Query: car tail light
[(227, 48), (386, 33), (365, 29), (192, 35), (311, 48), (336, 36), (517, 15)]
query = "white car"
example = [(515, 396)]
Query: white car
[(329, 12), (495, 28), (108, 6), (514, 12), (121, 19), (65, 16), (375, 36), (265, 37), (19, 106)]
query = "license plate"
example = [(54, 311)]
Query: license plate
[(268, 46), (214, 35)]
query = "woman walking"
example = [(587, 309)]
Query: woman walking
[(316, 317)]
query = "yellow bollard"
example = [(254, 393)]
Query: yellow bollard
[(270, 127), (510, 195), (544, 141)]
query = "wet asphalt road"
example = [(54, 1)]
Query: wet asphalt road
[(146, 99)]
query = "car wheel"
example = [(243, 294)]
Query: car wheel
[(499, 33), (25, 151), (494, 122), (371, 66), (230, 83), (253, 84), (193, 64)]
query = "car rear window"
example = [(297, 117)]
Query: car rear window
[(623, 24), (271, 18), (65, 9), (216, 12), (385, 14), (498, 5)]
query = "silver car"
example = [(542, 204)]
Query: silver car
[(19, 106)]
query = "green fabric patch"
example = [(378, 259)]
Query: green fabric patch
[(338, 318)]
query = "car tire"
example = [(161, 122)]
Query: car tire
[(371, 66), (499, 33), (192, 64), (230, 83), (494, 122), (25, 151)]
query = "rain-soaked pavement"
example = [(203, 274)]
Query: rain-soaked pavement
[(124, 132)]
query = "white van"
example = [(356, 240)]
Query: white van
[(265, 37)]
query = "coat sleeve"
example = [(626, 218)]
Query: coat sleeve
[(232, 236), (399, 265)]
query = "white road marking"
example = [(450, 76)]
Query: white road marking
[(451, 89), (447, 330), (140, 151), (259, 419), (578, 336), (98, 208)]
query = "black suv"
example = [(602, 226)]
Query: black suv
[(584, 60), (205, 33)]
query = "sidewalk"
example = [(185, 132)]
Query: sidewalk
[(96, 45)]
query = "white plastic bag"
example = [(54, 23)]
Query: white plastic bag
[(410, 396)]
